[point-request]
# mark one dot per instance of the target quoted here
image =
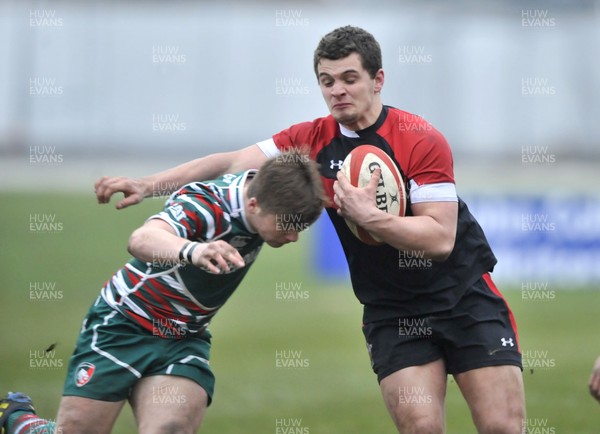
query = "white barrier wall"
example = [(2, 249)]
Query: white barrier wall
[(198, 76)]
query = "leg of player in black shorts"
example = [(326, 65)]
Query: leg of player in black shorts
[(491, 412), (476, 342)]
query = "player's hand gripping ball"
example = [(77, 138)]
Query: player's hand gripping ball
[(391, 193)]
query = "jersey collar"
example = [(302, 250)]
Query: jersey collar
[(237, 198), (360, 133), (348, 133)]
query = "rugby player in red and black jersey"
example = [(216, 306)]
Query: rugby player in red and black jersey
[(430, 306)]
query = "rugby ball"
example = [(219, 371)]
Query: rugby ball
[(390, 196)]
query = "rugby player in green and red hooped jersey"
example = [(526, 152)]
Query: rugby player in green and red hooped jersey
[(167, 299), (145, 339), (421, 323)]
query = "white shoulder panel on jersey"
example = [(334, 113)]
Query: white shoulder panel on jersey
[(269, 148), (439, 192)]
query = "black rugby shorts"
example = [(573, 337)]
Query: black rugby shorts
[(479, 331)]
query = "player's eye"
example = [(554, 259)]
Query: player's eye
[(350, 79)]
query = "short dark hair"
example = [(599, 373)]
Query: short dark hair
[(346, 40), (290, 184)]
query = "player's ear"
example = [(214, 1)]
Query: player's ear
[(379, 79), (252, 205)]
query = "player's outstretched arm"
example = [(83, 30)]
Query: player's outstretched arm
[(209, 167), (157, 239)]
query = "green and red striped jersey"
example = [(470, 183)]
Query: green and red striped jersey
[(173, 300)]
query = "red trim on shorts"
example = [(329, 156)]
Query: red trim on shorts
[(490, 283)]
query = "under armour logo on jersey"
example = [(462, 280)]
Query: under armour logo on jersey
[(333, 164), (507, 342)]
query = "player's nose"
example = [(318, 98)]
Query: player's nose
[(337, 89)]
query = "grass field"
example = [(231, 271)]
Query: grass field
[(51, 276)]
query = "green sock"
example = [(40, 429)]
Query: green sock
[(13, 418), (35, 426)]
